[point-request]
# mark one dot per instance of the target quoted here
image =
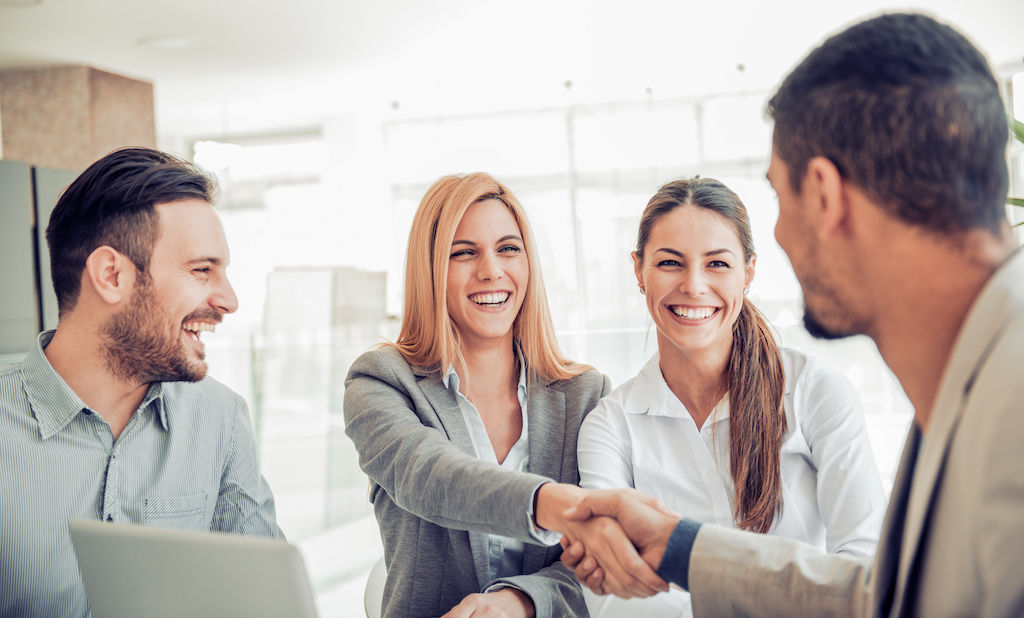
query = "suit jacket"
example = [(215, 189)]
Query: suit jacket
[(953, 538), (435, 502)]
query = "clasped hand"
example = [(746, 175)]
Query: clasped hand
[(616, 540)]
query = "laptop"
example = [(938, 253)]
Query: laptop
[(132, 571)]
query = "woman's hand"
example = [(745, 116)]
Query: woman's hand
[(646, 520), (504, 603), (624, 572)]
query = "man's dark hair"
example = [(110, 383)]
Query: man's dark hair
[(113, 204), (909, 111)]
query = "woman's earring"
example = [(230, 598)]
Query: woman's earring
[(746, 290), (641, 286)]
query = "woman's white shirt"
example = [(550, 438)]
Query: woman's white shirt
[(640, 435)]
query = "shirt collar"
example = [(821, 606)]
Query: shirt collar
[(452, 381), (54, 404), (653, 397)]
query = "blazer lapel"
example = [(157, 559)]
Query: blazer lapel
[(448, 413), (545, 412), (446, 406), (969, 353), (989, 315)]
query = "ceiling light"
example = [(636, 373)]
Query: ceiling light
[(163, 41)]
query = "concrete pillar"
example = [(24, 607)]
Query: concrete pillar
[(67, 117)]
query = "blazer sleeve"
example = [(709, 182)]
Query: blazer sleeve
[(553, 590), (740, 573), (405, 452)]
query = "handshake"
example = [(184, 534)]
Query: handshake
[(614, 540)]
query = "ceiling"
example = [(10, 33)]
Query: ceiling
[(258, 65)]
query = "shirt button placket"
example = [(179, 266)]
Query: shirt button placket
[(111, 496)]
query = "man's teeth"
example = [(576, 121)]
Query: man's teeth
[(693, 313), (199, 327), (490, 298)]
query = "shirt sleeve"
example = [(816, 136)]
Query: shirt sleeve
[(603, 451), (849, 487), (675, 563), (245, 504)]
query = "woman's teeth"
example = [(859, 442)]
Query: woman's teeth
[(693, 313), (490, 298)]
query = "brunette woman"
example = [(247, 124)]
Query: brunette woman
[(723, 424)]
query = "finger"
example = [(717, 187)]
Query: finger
[(572, 554), (595, 581), (584, 568), (636, 575), (626, 573)]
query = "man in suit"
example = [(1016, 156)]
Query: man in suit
[(889, 165)]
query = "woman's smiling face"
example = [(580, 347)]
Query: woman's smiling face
[(488, 273), (693, 274)]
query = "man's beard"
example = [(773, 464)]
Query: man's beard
[(818, 330), (144, 345)]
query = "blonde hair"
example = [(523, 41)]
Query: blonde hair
[(428, 338)]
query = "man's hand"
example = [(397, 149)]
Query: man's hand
[(504, 603), (624, 571), (646, 522)]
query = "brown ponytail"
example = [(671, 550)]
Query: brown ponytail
[(757, 421)]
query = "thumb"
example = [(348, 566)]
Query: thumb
[(580, 512)]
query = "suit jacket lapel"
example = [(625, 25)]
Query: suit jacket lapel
[(974, 342), (446, 406), (545, 412)]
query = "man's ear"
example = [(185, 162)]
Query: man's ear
[(823, 192), (110, 274)]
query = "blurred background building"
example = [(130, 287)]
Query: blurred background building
[(325, 123)]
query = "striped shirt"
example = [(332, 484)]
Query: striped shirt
[(186, 459)]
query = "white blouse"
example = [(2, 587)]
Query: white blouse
[(641, 436)]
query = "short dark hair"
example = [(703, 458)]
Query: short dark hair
[(112, 203), (909, 111)]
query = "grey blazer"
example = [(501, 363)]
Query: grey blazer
[(435, 502), (952, 543)]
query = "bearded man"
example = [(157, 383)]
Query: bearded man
[(111, 416)]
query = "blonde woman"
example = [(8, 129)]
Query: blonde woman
[(463, 422)]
